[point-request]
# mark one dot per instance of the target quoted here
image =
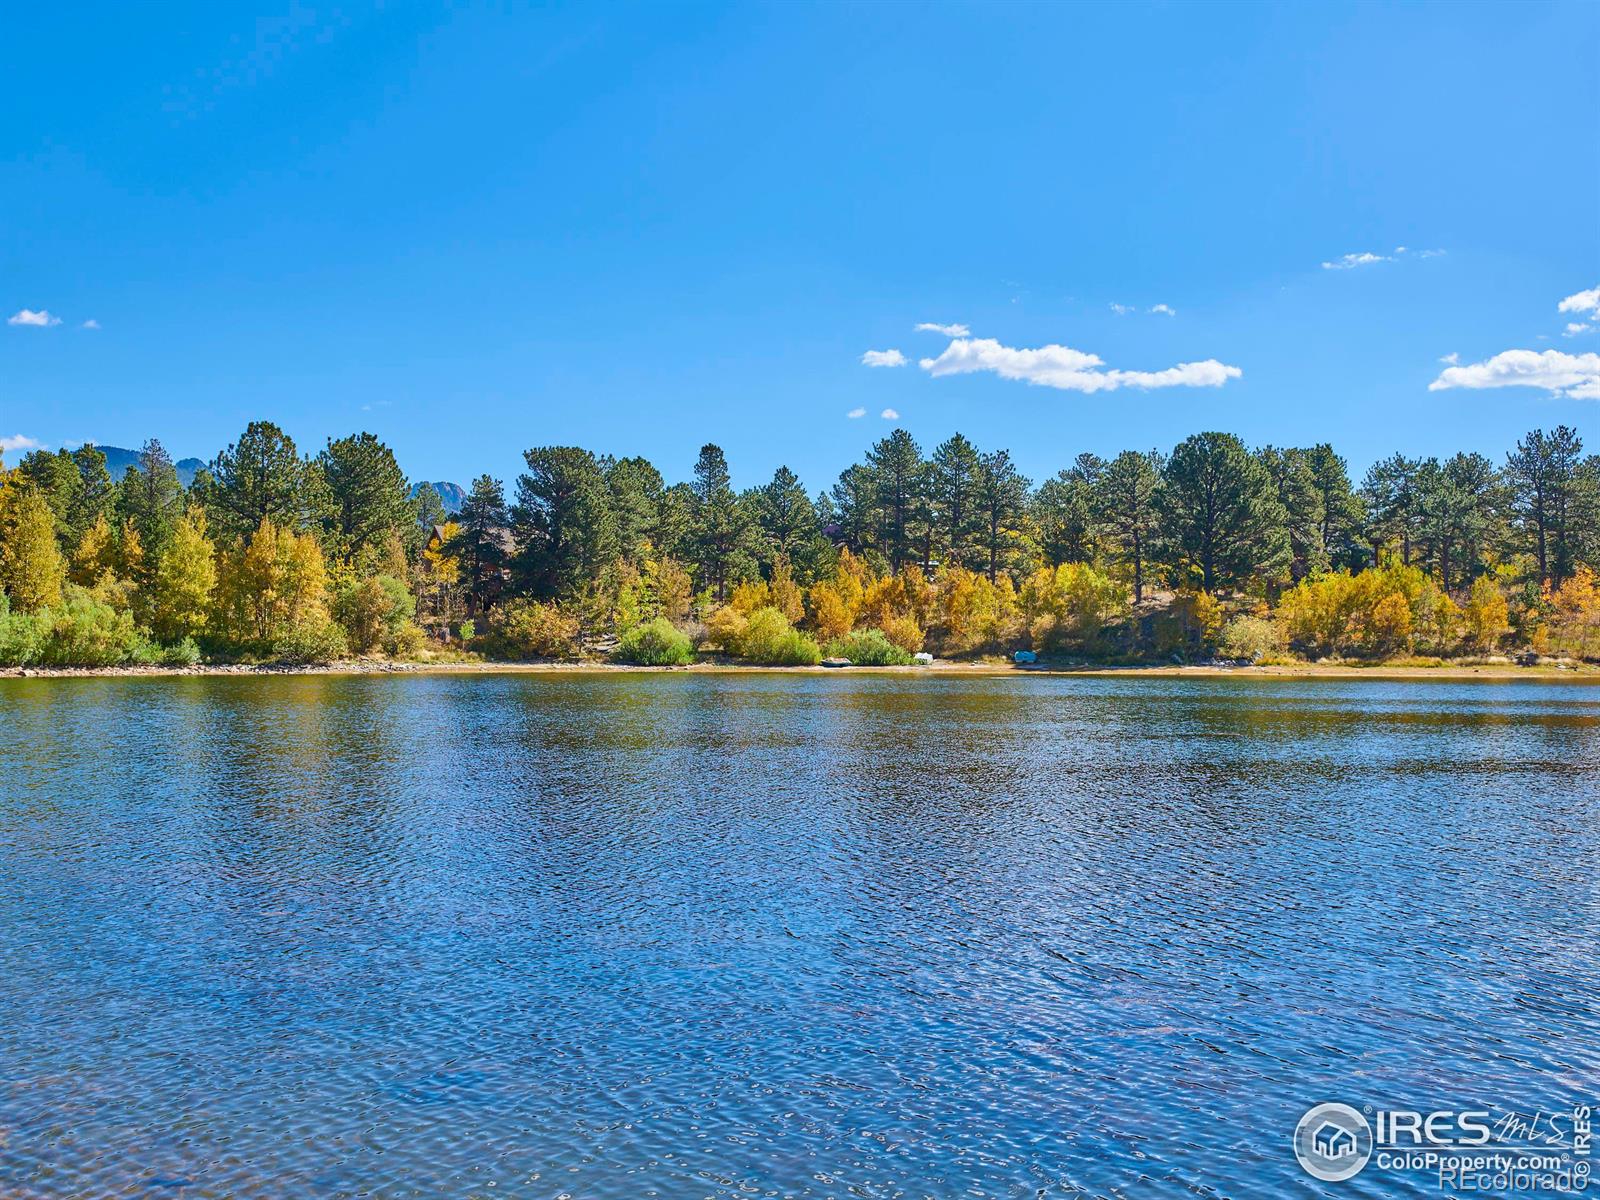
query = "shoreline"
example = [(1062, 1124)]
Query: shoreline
[(1487, 672)]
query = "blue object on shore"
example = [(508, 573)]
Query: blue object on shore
[(1025, 656)]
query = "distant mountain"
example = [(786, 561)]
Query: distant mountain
[(119, 460), (451, 493)]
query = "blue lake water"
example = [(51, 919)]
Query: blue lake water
[(677, 935)]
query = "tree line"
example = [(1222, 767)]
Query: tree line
[(275, 554)]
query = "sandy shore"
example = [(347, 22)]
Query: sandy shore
[(1467, 671)]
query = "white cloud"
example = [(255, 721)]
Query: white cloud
[(1581, 302), (1575, 376), (1574, 328), (954, 331), (91, 323), (1068, 369), (884, 358), (856, 413), (1452, 358), (1364, 259), (1367, 258), (889, 414), (26, 316), (1164, 309), (17, 442), (1122, 310)]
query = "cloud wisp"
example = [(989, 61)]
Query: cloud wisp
[(1066, 369), (1574, 376), (884, 358), (1165, 310), (1581, 302), (889, 414), (37, 320), (855, 414), (1367, 258), (91, 323), (17, 441), (954, 331)]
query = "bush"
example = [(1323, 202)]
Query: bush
[(656, 643), (468, 630), (1070, 606), (868, 648), (725, 629), (179, 654), (373, 611), (406, 642), (529, 629), (317, 641), (1249, 638), (22, 635), (769, 639)]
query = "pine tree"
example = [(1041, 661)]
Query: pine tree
[(258, 478), (368, 497), (1002, 498), (564, 522), (1126, 509), (481, 544), (1221, 520)]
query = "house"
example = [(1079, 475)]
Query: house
[(1334, 1142)]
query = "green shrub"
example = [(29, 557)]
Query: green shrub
[(373, 611), (310, 642), (656, 643), (22, 635), (528, 629), (868, 648), (179, 654), (87, 632), (1251, 638), (468, 630), (770, 640)]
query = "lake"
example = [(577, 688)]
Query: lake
[(777, 935)]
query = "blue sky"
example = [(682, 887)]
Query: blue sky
[(639, 228)]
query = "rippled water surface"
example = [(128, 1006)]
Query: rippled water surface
[(675, 935)]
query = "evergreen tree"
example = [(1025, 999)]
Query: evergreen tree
[(953, 487), (1342, 510), (55, 477), (98, 495), (896, 466), (1126, 508), (258, 478), (1300, 501), (787, 519), (1002, 499), (368, 496), (1220, 519), (637, 491), (1390, 495), (480, 546), (430, 507), (722, 528), (151, 498), (1064, 512), (1544, 473), (563, 520)]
